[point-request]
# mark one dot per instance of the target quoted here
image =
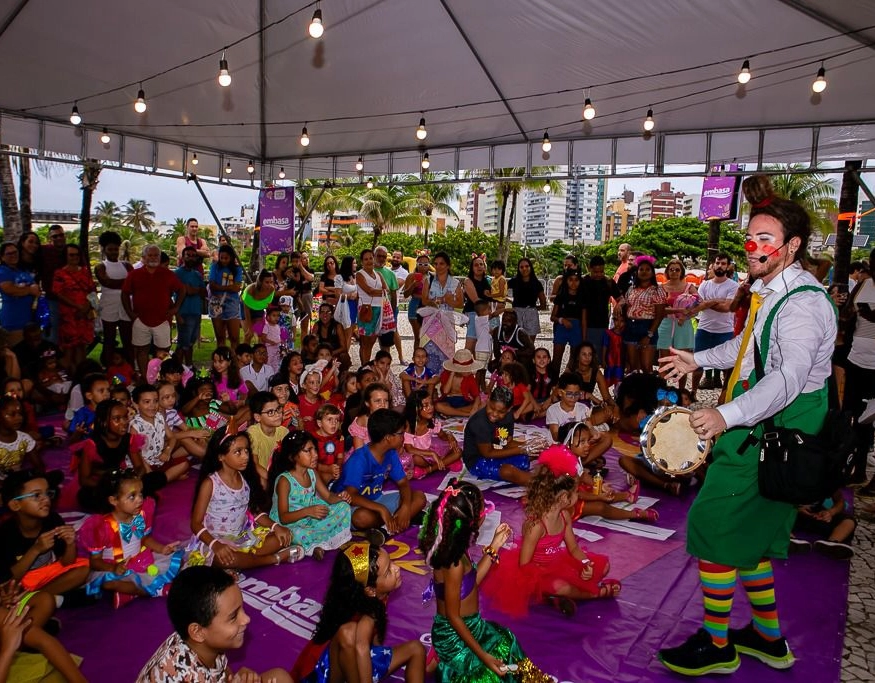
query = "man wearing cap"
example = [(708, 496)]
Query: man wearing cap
[(188, 319), (460, 390), (387, 339)]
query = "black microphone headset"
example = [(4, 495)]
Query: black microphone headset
[(766, 257)]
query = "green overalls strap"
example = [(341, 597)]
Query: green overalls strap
[(730, 522)]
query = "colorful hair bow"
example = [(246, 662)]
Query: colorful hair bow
[(318, 366), (137, 526), (763, 203), (507, 347), (482, 256), (667, 395), (645, 258), (423, 252)]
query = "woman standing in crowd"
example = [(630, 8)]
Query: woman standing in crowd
[(226, 280), (279, 275), (371, 290), (645, 307), (413, 287), (676, 328), (567, 316), (72, 285), (18, 291), (344, 283), (111, 274), (256, 298), (327, 288), (444, 292), (528, 297), (29, 253), (475, 286)]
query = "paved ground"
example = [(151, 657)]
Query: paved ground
[(858, 663)]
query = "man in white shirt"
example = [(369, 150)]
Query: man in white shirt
[(715, 318), (398, 268), (731, 528)]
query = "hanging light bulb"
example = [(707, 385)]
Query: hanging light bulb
[(546, 145), (228, 168), (250, 167), (75, 119), (360, 165), (649, 123), (425, 162), (819, 84), (744, 74), (370, 183), (104, 138), (194, 161), (282, 174), (224, 74), (140, 104), (316, 29), (547, 189), (588, 110), (305, 137), (421, 132)]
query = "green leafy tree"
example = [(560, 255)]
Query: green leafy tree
[(137, 214), (339, 198), (387, 206), (685, 238), (107, 215), (433, 196), (814, 191)]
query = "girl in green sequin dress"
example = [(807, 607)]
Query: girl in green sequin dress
[(468, 647)]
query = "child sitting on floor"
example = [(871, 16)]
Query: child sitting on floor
[(124, 556), (120, 369), (329, 442), (365, 472), (569, 409), (51, 377), (460, 390), (330, 372), (194, 441), (202, 602), (430, 447), (540, 569), (37, 548), (467, 646), (309, 399), (257, 374), (515, 378), (374, 397), (417, 376), (18, 450), (832, 522), (200, 407), (543, 383), (318, 519), (291, 413), (489, 449), (267, 432), (383, 368), (229, 520), (159, 450), (95, 388), (348, 643)]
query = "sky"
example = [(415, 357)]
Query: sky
[(172, 198)]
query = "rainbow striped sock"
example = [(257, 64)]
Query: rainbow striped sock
[(718, 587), (760, 586)]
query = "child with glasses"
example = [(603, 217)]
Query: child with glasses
[(569, 409), (37, 548), (267, 432)]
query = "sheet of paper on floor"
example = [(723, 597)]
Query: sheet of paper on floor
[(630, 527), (643, 502), (588, 536)]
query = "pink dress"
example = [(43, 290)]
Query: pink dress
[(511, 588), (429, 441)]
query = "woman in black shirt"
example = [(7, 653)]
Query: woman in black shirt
[(528, 297), (566, 316)]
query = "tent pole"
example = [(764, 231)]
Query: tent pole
[(845, 224)]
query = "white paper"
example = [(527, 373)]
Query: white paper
[(643, 502), (630, 527), (588, 536), (512, 491), (487, 529)]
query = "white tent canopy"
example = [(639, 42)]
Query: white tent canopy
[(489, 77)]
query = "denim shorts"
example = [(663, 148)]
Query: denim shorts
[(188, 330), (637, 329), (708, 340), (564, 335), (471, 331), (391, 500), (224, 307), (412, 306), (487, 468)]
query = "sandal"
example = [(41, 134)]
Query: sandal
[(634, 492), (295, 553), (648, 515), (564, 604), (609, 588)]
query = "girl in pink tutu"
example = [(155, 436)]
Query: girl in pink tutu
[(428, 445), (541, 569)]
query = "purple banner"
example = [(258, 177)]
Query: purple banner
[(277, 210), (720, 195)]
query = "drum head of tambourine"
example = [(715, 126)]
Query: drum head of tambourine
[(670, 443)]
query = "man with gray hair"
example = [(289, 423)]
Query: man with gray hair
[(148, 299)]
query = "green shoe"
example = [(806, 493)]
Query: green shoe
[(700, 656), (774, 653)]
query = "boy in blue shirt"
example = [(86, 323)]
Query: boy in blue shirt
[(365, 471), (95, 388)]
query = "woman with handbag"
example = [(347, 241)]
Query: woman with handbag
[(371, 292), (732, 528), (346, 311), (72, 284), (226, 281)]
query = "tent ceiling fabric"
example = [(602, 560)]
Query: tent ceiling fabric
[(479, 71)]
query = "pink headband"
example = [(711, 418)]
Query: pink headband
[(644, 258)]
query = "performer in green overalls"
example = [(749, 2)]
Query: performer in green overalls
[(732, 529)]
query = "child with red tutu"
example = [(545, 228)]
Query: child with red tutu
[(540, 569)]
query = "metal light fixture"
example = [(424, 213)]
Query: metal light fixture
[(546, 145), (425, 162), (250, 167), (282, 174), (588, 110), (140, 104), (194, 161), (316, 28), (224, 74), (819, 84), (649, 123), (75, 119), (421, 132), (744, 74), (228, 168), (360, 165), (104, 138), (305, 137)]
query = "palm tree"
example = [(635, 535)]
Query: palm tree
[(347, 236), (133, 241), (108, 215), (309, 196), (341, 197), (813, 191), (137, 214), (88, 180), (388, 206), (434, 196), (8, 201)]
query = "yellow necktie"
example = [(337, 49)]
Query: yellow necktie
[(755, 302)]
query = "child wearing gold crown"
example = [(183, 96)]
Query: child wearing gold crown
[(354, 620)]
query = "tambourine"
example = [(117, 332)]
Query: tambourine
[(671, 444)]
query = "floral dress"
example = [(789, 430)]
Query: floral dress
[(77, 328), (311, 533), (228, 519)]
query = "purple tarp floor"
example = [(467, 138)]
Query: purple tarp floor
[(607, 640)]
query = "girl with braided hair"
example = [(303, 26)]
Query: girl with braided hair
[(468, 647), (354, 621)]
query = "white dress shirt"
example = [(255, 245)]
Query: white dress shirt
[(800, 349)]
